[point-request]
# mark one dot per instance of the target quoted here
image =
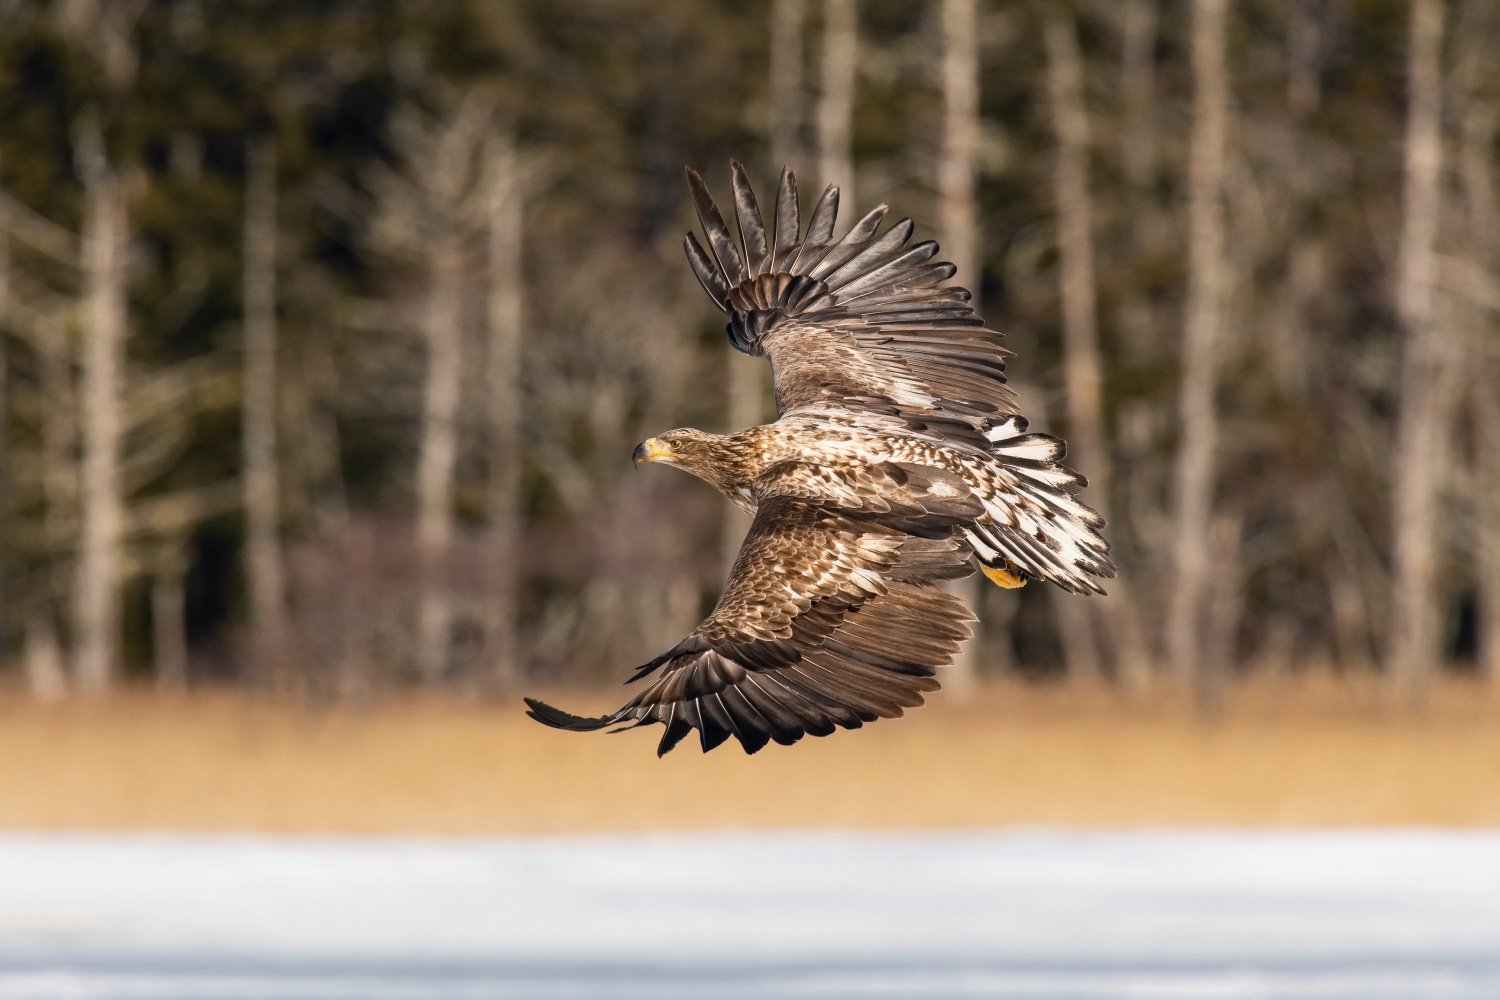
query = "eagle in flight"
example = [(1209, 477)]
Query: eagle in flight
[(897, 456)]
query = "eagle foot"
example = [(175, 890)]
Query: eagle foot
[(1003, 577)]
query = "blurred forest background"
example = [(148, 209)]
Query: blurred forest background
[(329, 327)]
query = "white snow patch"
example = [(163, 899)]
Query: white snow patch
[(1034, 913)]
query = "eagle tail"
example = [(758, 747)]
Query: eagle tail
[(1050, 534)]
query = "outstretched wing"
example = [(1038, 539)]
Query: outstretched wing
[(863, 322), (830, 619)]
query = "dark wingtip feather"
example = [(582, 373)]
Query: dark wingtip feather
[(819, 231), (753, 741), (712, 736), (707, 272), (719, 239), (752, 226), (865, 228), (558, 719), (788, 221), (677, 730)]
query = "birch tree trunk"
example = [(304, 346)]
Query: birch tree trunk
[(1194, 478), (836, 103), (438, 450), (506, 315), (46, 675), (1413, 652), (262, 479), (1109, 623), (959, 231), (96, 596)]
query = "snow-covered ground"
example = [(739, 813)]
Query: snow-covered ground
[(1367, 915)]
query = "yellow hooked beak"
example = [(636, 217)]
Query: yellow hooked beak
[(652, 450)]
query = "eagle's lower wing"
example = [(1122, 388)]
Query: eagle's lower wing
[(862, 323), (827, 621)]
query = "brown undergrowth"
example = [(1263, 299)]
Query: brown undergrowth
[(1314, 751)]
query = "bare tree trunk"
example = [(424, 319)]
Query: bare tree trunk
[(785, 125), (1137, 86), (506, 318), (43, 666), (46, 676), (1077, 633), (46, 679), (96, 596), (1147, 229), (430, 215), (1081, 366), (438, 450), (960, 138), (1480, 228), (836, 103), (956, 216), (1110, 622), (998, 610), (1413, 651), (262, 478), (1304, 90), (169, 626), (1194, 478), (1351, 626), (4, 428), (1223, 605), (1487, 420), (1076, 625), (313, 467)]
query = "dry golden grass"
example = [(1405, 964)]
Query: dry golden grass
[(1283, 753)]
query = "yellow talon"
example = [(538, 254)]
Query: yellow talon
[(1003, 577)]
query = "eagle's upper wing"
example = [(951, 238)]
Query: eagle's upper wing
[(863, 322), (830, 618)]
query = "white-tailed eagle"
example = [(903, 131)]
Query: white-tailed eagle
[(897, 456)]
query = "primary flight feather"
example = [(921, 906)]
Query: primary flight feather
[(897, 456)]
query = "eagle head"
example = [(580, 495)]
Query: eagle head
[(711, 457)]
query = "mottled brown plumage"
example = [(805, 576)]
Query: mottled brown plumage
[(897, 454)]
